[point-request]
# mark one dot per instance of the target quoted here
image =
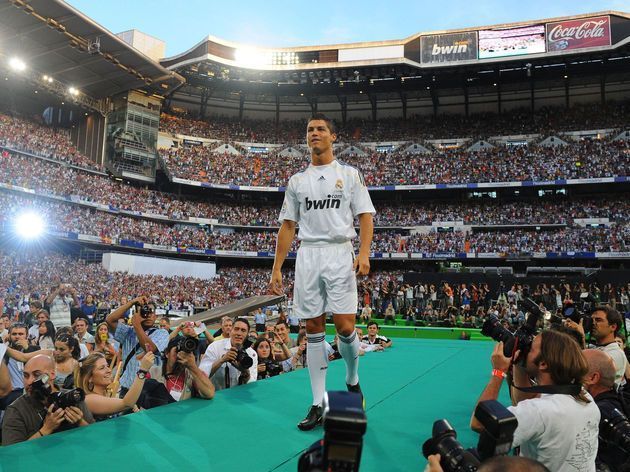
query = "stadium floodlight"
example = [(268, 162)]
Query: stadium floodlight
[(250, 57), (47, 78), (29, 225), (17, 64), (73, 91)]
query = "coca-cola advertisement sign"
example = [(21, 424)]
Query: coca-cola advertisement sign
[(578, 34)]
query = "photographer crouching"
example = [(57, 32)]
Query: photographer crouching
[(557, 419), (137, 339), (229, 362), (179, 372), (43, 409)]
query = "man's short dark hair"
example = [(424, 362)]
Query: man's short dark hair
[(329, 122), (242, 320), (372, 323), (36, 304), (279, 322), (612, 316)]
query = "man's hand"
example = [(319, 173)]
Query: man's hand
[(275, 284), (147, 361), (23, 343), (73, 414), (579, 327), (434, 464), (229, 356), (53, 420), (499, 361), (362, 264), (187, 359)]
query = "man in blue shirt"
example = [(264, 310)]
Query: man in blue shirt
[(260, 319), (137, 339)]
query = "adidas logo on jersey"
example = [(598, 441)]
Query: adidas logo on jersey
[(330, 202)]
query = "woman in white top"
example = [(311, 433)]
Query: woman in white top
[(46, 338)]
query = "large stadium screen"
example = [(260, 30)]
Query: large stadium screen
[(511, 42)]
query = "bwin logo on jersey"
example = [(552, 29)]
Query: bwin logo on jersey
[(331, 202)]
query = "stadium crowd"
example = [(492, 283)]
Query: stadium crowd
[(585, 159), (546, 120), (110, 228), (49, 179), (25, 135)]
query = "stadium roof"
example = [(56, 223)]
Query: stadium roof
[(541, 54), (53, 38)]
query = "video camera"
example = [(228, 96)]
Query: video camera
[(522, 339), (345, 424), (583, 312), (495, 440), (64, 399)]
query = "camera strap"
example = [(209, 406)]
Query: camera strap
[(133, 351), (552, 389)]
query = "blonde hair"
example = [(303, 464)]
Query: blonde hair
[(86, 370)]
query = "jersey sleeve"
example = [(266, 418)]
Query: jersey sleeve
[(291, 205), (360, 201)]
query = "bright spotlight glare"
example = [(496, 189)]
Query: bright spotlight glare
[(73, 91), (254, 58), (29, 225), (17, 64)]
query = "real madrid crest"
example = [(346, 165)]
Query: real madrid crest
[(339, 184)]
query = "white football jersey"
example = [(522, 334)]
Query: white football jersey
[(324, 200)]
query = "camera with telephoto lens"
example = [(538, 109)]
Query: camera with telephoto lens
[(521, 340), (345, 424), (243, 361), (187, 344), (63, 399), (495, 439), (614, 429)]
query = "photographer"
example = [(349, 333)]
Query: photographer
[(180, 375), (190, 329), (267, 364), (600, 383), (33, 415), (223, 360), (136, 340), (607, 322), (18, 342), (373, 338), (557, 429)]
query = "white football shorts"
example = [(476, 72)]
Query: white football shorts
[(325, 280)]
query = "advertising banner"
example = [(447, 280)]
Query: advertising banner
[(511, 42), (441, 48), (578, 34)]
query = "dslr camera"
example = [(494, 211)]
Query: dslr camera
[(345, 424), (64, 399), (521, 340), (187, 344), (581, 311), (145, 310), (495, 440), (243, 361)]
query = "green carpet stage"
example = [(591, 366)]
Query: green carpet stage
[(253, 428)]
